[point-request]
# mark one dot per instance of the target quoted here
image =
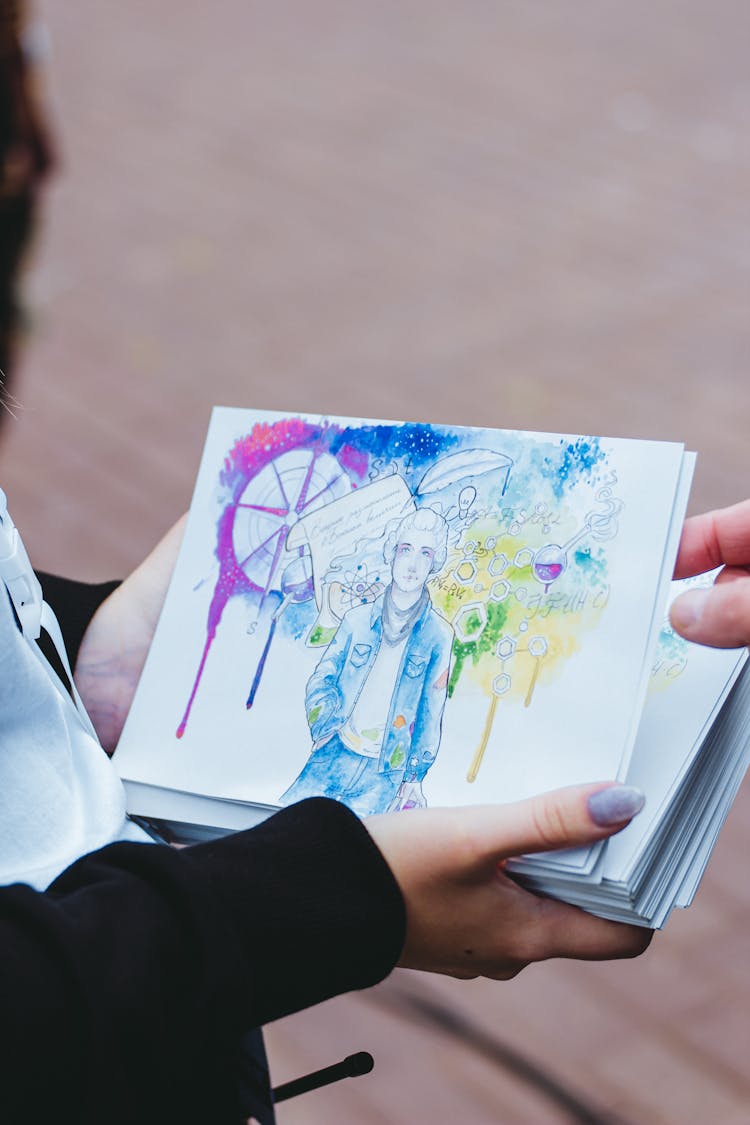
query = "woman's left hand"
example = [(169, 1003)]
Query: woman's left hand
[(116, 642)]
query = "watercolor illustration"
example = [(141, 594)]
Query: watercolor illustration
[(375, 700), (406, 565)]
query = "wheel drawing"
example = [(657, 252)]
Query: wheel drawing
[(288, 487)]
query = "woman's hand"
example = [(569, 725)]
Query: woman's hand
[(466, 917), (117, 640), (720, 615)]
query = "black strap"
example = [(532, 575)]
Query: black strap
[(350, 1067)]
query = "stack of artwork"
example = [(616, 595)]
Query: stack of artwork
[(395, 614)]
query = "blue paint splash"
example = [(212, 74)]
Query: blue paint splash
[(575, 461)]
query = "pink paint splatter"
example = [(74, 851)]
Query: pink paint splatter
[(355, 461), (248, 457)]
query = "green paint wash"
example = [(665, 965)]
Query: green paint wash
[(314, 714), (320, 636), (398, 756), (497, 615), (473, 622)]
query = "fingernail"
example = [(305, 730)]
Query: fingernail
[(687, 609), (615, 805)]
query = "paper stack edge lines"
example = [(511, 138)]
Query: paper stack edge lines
[(394, 614)]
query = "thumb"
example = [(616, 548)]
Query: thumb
[(717, 616), (564, 818)]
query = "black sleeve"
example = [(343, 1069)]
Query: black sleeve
[(73, 604), (126, 985)]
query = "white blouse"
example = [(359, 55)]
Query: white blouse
[(60, 796)]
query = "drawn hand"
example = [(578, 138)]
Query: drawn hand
[(719, 615), (408, 796), (324, 714), (117, 640), (466, 917)]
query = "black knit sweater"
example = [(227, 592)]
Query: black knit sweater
[(125, 987)]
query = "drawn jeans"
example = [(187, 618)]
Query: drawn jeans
[(333, 770)]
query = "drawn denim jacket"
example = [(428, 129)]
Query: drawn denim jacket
[(415, 711)]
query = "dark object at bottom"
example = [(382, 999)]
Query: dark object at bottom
[(351, 1067)]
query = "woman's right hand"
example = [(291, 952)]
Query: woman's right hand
[(466, 917), (719, 615)]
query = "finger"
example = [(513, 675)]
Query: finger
[(731, 574), (162, 558), (567, 931), (564, 818), (718, 616), (713, 539), (151, 579)]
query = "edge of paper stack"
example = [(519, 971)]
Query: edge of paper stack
[(691, 753)]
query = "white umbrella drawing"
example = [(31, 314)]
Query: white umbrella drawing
[(450, 470)]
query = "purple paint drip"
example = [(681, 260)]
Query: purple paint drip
[(245, 460)]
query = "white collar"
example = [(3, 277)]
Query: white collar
[(24, 588), (18, 575)]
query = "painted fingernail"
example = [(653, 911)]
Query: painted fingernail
[(615, 805), (688, 608)]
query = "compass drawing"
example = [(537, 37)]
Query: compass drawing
[(290, 486)]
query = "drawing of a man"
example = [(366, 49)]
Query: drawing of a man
[(376, 698)]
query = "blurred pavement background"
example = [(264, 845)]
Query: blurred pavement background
[(520, 215)]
